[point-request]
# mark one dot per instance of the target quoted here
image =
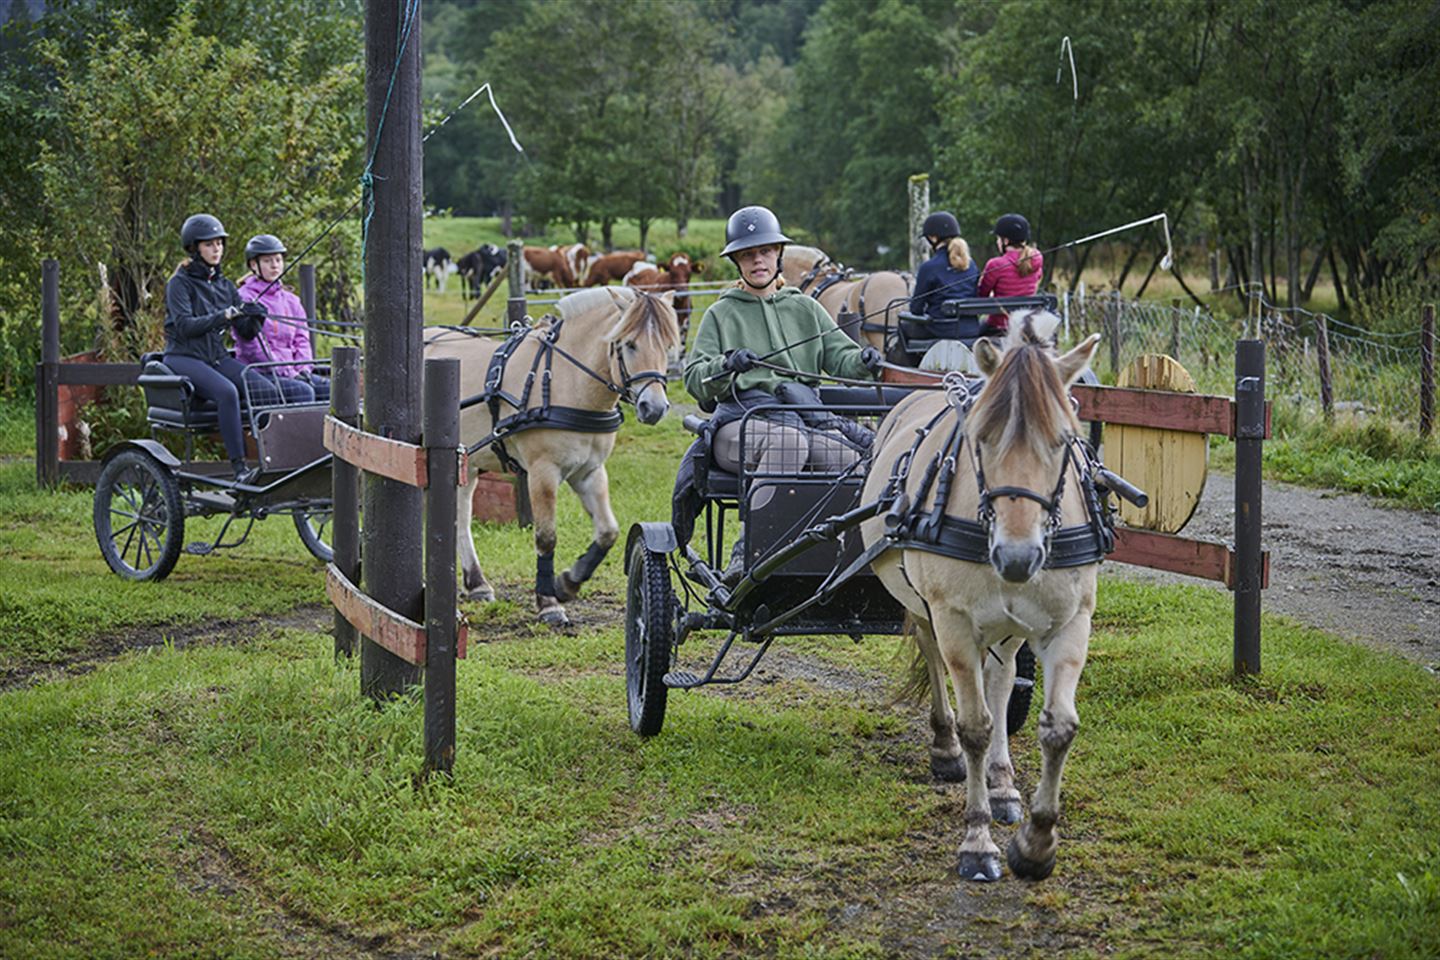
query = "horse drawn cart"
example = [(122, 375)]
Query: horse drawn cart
[(145, 492)]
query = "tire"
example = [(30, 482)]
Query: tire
[(139, 517), (649, 638), (314, 529), (1024, 689)]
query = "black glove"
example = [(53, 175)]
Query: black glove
[(253, 308), (739, 361), (251, 319), (872, 358)]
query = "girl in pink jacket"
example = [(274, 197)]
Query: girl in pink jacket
[(285, 337), (1016, 272)]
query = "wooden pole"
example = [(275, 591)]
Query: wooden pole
[(1322, 357), (515, 273), (393, 319), (47, 378), (499, 278), (345, 487), (307, 293), (1175, 328), (919, 191), (1112, 332), (1249, 438), (442, 444), (1427, 369)]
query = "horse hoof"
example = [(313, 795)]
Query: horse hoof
[(979, 867), (555, 617), (567, 588), (1025, 868), (948, 769), (481, 594), (1005, 810)]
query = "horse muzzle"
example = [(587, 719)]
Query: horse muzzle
[(651, 406), (1017, 562)]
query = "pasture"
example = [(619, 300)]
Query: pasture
[(185, 770)]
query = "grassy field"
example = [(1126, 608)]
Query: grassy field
[(221, 789)]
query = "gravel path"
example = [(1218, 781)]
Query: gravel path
[(1338, 561)]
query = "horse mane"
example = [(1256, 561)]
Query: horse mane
[(633, 322), (810, 255), (1024, 400)]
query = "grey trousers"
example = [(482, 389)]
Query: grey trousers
[(776, 448)]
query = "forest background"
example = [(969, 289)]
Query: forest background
[(1296, 142)]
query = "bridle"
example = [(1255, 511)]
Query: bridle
[(985, 512), (626, 390)]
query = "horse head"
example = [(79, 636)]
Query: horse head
[(640, 342), (1021, 429)]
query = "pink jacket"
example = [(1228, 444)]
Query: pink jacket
[(287, 338), (1000, 278)]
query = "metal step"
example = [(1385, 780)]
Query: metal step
[(681, 680), (199, 548)]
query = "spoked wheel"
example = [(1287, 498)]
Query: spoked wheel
[(314, 529), (1023, 690), (649, 636), (139, 518)]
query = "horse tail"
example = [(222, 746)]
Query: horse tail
[(914, 686), (959, 252)]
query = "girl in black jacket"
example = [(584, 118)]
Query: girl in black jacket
[(199, 305)]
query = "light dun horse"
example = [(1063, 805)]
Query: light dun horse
[(876, 298), (611, 344), (972, 617)]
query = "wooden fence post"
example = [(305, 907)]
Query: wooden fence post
[(1322, 357), (515, 273), (442, 453), (1112, 329), (47, 378), (1175, 328), (919, 191), (1427, 369), (307, 290), (1249, 439), (345, 487)]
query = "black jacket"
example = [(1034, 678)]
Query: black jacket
[(195, 301)]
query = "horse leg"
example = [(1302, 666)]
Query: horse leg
[(1032, 850), (544, 482), (594, 492), (979, 857), (947, 763), (999, 681), (476, 586)]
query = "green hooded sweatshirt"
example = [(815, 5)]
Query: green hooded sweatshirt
[(786, 319)]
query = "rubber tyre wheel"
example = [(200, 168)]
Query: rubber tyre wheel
[(139, 517), (649, 638), (1021, 694), (315, 531)]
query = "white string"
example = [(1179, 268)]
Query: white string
[(1067, 50), (483, 88)]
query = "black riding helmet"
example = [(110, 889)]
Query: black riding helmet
[(941, 225), (200, 226), (1013, 227), (752, 227), (262, 243)]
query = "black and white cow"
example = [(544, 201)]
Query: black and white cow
[(438, 266), (479, 267)]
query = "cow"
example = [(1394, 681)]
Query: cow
[(438, 266), (612, 266), (479, 266), (548, 262), (674, 275), (577, 255)]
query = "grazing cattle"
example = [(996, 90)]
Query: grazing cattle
[(438, 266), (550, 263), (609, 267), (577, 255), (478, 267)]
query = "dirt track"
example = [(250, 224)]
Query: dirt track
[(1338, 561)]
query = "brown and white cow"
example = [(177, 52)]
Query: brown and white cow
[(612, 266), (548, 262), (672, 275), (577, 255)]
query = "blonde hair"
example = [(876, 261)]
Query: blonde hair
[(1027, 263), (958, 251)]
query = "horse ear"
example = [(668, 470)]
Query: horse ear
[(621, 300), (1077, 359), (668, 297), (987, 356)]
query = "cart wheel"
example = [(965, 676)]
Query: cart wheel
[(1023, 690), (314, 529), (649, 637), (139, 518)]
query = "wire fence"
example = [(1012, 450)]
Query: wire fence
[(1367, 374)]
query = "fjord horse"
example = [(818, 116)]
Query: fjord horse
[(1015, 470), (604, 346), (876, 297)]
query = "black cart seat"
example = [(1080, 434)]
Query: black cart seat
[(171, 401)]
